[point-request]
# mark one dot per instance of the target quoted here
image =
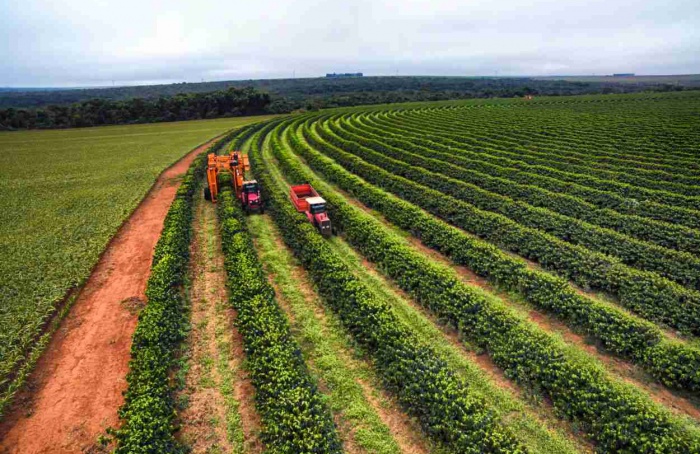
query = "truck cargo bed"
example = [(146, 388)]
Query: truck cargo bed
[(299, 194)]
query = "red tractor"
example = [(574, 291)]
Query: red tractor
[(251, 200), (307, 201), (236, 164)]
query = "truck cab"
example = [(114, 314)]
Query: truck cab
[(251, 199), (318, 216), (306, 200)]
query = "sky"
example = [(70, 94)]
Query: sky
[(64, 43)]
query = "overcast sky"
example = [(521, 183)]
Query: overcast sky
[(95, 42)]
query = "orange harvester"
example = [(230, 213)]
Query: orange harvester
[(236, 163)]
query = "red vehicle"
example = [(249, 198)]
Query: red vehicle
[(236, 164), (251, 199), (307, 201)]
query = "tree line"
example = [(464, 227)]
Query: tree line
[(98, 112)]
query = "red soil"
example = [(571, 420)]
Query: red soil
[(76, 388)]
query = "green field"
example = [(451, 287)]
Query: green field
[(63, 195), (685, 80), (576, 222), (507, 275)]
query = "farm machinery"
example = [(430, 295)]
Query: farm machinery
[(307, 201), (236, 164)]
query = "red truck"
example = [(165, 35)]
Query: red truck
[(307, 201)]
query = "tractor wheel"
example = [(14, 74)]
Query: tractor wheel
[(207, 194), (262, 209)]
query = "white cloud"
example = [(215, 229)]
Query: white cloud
[(83, 42)]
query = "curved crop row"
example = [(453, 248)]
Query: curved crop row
[(518, 151), (645, 293), (624, 138), (570, 183), (674, 364), (294, 416), (551, 154), (618, 417), (542, 140), (246, 133), (423, 383), (525, 205), (535, 189), (576, 140), (148, 412)]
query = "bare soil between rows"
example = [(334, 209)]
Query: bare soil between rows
[(213, 339), (74, 392)]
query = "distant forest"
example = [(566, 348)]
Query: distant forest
[(233, 102), (155, 103)]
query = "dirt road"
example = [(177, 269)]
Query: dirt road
[(76, 389)]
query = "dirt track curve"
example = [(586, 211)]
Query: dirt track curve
[(76, 389)]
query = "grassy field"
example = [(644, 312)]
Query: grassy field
[(63, 194)]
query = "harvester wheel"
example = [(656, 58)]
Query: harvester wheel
[(207, 194)]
